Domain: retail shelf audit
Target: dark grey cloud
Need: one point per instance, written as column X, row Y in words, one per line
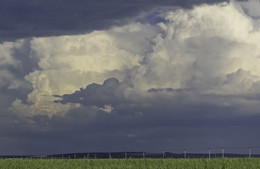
column 154, row 130
column 96, row 94
column 156, row 124
column 22, row 18
column 163, row 123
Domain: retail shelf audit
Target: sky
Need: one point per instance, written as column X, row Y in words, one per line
column 114, row 76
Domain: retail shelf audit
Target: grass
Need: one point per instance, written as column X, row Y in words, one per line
column 227, row 163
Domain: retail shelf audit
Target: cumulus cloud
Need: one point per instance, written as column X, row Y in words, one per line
column 206, row 53
column 207, row 50
column 67, row 63
column 167, row 81
column 95, row 94
column 199, row 50
column 8, row 62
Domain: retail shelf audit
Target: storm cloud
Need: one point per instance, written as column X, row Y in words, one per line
column 22, row 18
column 159, row 76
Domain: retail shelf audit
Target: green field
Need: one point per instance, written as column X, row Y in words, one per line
column 235, row 163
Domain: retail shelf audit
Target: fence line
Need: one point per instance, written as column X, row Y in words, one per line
column 187, row 153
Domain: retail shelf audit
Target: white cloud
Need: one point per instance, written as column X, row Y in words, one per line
column 106, row 108
column 8, row 62
column 199, row 47
column 44, row 105
column 67, row 63
column 94, row 52
column 6, row 54
column 211, row 49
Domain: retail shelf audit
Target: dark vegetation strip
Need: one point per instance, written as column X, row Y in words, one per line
column 225, row 163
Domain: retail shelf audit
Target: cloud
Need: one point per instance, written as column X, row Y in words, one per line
column 67, row 63
column 199, row 53
column 106, row 108
column 12, row 71
column 95, row 94
column 250, row 7
column 207, row 50
column 8, row 61
column 197, row 49
column 22, row 19
column 190, row 78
